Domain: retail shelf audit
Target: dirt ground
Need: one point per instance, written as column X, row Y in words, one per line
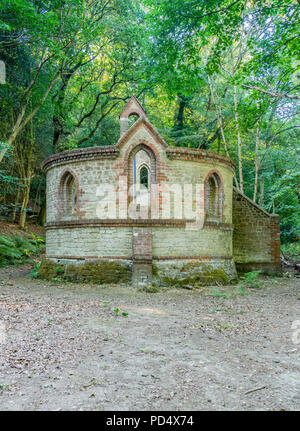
column 67, row 349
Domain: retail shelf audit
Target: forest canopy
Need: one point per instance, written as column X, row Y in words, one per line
column 217, row 75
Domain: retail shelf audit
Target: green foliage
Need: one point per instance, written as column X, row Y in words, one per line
column 35, row 271
column 164, row 52
column 292, row 249
column 242, row 291
column 216, row 293
column 251, row 279
column 17, row 249
column 4, row 387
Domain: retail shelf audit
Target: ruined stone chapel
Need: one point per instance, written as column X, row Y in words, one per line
column 154, row 212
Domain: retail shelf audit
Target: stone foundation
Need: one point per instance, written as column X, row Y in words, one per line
column 90, row 271
column 173, row 273
column 189, row 272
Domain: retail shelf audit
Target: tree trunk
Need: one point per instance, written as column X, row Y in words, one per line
column 179, row 117
column 219, row 117
column 239, row 140
column 25, row 203
column 261, row 191
column 42, row 214
column 14, row 214
column 256, row 163
column 27, row 180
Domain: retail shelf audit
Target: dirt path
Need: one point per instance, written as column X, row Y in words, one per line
column 66, row 349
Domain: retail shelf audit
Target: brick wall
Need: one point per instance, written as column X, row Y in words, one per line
column 142, row 256
column 256, row 236
column 90, row 239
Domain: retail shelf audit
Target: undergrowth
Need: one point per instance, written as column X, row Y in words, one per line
column 17, row 249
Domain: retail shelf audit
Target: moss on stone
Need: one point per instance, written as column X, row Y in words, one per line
column 49, row 270
column 96, row 272
column 190, row 266
column 195, row 274
column 154, row 270
column 218, row 274
column 100, row 272
column 204, row 278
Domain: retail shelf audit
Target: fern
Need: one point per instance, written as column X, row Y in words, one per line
column 17, row 249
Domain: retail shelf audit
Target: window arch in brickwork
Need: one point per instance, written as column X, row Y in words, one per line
column 213, row 197
column 68, row 195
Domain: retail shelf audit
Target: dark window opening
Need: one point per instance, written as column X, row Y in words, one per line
column 214, row 197
column 144, row 177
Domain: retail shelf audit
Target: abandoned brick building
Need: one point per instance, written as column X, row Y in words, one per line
column 130, row 208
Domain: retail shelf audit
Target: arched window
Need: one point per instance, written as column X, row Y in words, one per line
column 214, row 198
column 73, row 196
column 141, row 181
column 132, row 118
column 144, row 177
column 68, row 195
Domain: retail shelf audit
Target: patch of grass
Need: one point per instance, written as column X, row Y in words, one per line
column 117, row 311
column 251, row 279
column 146, row 351
column 223, row 326
column 242, row 291
column 35, row 271
column 216, row 293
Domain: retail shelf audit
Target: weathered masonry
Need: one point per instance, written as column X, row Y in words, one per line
column 160, row 213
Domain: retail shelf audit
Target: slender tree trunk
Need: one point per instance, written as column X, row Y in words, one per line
column 37, row 197
column 179, row 116
column 219, row 141
column 261, row 191
column 25, row 202
column 256, row 162
column 239, row 140
column 27, row 180
column 219, row 117
column 14, row 214
column 42, row 214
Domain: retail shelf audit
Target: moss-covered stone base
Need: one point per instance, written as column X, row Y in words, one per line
column 174, row 273
column 265, row 268
column 190, row 273
column 96, row 272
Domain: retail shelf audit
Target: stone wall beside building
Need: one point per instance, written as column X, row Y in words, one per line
column 256, row 237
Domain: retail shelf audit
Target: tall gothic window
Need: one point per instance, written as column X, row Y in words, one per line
column 214, row 198
column 68, row 195
column 141, row 181
column 144, row 177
